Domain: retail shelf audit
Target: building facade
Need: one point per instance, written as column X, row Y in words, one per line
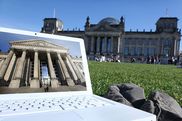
column 32, row 63
column 109, row 38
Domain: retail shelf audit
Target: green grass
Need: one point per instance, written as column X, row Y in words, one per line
column 151, row 77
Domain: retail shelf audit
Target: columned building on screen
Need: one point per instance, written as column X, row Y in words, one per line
column 31, row 62
column 109, row 38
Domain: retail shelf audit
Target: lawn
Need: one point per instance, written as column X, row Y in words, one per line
column 151, row 77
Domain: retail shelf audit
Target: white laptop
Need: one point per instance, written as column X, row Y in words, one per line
column 45, row 77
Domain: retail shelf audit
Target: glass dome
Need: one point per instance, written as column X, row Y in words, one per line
column 109, row 20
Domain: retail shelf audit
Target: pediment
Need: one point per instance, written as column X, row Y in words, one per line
column 37, row 43
column 103, row 28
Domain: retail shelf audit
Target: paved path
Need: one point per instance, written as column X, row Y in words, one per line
column 6, row 90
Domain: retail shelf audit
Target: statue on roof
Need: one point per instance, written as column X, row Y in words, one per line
column 122, row 19
column 87, row 24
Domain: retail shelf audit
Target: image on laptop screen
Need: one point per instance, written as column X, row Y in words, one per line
column 31, row 64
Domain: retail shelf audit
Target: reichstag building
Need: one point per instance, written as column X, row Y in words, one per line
column 28, row 62
column 110, row 39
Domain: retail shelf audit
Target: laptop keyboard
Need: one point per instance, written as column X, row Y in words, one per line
column 10, row 107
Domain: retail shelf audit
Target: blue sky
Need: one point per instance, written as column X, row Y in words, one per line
column 138, row 14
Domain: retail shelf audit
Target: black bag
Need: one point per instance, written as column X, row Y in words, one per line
column 166, row 107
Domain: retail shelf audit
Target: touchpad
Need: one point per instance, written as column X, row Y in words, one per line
column 48, row 116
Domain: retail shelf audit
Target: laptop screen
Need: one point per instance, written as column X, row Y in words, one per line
column 30, row 64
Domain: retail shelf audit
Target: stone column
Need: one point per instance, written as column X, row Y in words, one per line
column 105, row 45
column 86, row 43
column 36, row 65
column 67, row 76
column 18, row 74
column 98, row 45
column 111, row 45
column 5, row 64
column 162, row 48
column 79, row 66
column 92, row 45
column 54, row 81
column 15, row 83
column 118, row 47
column 122, row 45
column 39, row 71
column 27, row 72
column 175, row 46
column 30, row 70
column 75, row 68
column 102, row 45
column 71, row 69
column 158, row 46
column 35, row 82
column 1, row 62
column 14, row 70
column 82, row 78
column 10, row 68
column 61, row 73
